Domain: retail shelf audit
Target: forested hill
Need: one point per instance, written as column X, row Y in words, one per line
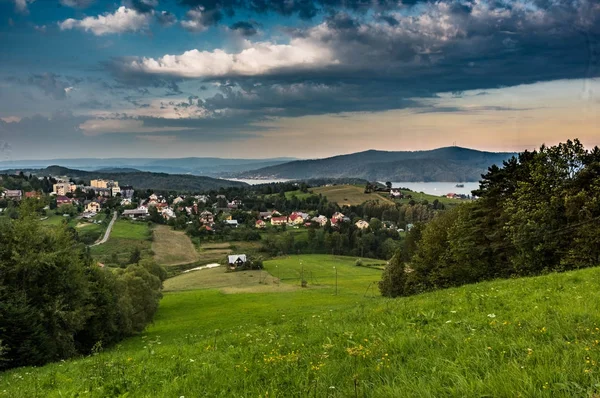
column 453, row 164
column 142, row 179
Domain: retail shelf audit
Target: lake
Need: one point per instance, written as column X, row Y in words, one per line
column 437, row 188
column 257, row 182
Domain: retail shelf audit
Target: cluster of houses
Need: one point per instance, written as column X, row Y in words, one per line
column 298, row 218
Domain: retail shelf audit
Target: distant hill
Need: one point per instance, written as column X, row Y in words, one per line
column 193, row 165
column 453, row 164
column 139, row 179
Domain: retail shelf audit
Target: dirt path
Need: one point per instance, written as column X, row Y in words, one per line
column 107, row 232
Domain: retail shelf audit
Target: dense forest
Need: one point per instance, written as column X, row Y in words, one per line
column 538, row 213
column 56, row 302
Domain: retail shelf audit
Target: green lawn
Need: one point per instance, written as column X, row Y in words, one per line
column 530, row 337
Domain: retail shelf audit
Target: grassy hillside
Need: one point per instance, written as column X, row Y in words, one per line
column 172, row 247
column 349, row 195
column 523, row 337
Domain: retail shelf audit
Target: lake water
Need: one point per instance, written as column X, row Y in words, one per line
column 257, row 182
column 437, row 188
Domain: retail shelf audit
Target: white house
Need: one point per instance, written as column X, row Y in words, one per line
column 362, row 224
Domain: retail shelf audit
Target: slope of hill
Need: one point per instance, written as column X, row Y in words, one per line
column 141, row 180
column 453, row 164
column 530, row 337
column 192, row 165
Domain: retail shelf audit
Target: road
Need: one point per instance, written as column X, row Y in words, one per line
column 107, row 232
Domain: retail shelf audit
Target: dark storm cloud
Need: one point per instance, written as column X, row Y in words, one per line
column 382, row 64
column 51, row 84
column 245, row 28
column 165, row 18
column 305, row 9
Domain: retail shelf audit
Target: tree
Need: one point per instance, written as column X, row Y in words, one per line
column 135, row 256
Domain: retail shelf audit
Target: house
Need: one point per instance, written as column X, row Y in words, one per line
column 234, row 204
column 153, row 197
column 177, row 200
column 295, row 218
column 106, row 192
column 168, row 213
column 125, row 202
column 226, row 216
column 63, row 200
column 396, row 194
column 337, row 216
column 201, row 198
column 321, row 220
column 260, row 224
column 13, row 194
column 231, row 223
column 33, row 194
column 93, row 207
column 451, row 195
column 279, row 220
column 140, row 212
column 115, row 190
column 362, row 224
column 236, row 260
column 265, row 215
column 206, row 217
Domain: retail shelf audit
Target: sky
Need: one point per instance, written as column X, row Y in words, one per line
column 294, row 78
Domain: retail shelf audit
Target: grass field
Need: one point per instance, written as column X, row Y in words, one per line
column 172, row 247
column 125, row 236
column 348, row 195
column 530, row 337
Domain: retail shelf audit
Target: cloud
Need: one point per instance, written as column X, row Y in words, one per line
column 257, row 59
column 21, row 6
column 51, row 85
column 77, row 3
column 123, row 20
column 99, row 126
column 165, row 18
column 160, row 139
column 305, row 9
column 142, row 6
column 199, row 19
column 245, row 28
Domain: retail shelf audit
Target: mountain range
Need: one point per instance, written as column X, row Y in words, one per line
column 192, row 165
column 450, row 164
column 139, row 179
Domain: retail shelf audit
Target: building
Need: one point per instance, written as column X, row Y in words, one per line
column 265, row 215
column 127, row 191
column 206, row 217
column 337, row 216
column 236, row 260
column 279, row 220
column 168, row 213
column 63, row 200
column 13, row 194
column 362, row 224
column 296, row 218
column 140, row 212
column 100, row 183
column 231, row 223
column 260, row 224
column 177, row 200
column 321, row 220
column 33, row 194
column 93, row 207
column 115, row 190
column 63, row 188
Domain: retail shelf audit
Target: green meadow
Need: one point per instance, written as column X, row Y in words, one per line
column 529, row 337
column 125, row 236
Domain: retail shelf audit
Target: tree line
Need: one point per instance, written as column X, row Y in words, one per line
column 539, row 212
column 56, row 302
